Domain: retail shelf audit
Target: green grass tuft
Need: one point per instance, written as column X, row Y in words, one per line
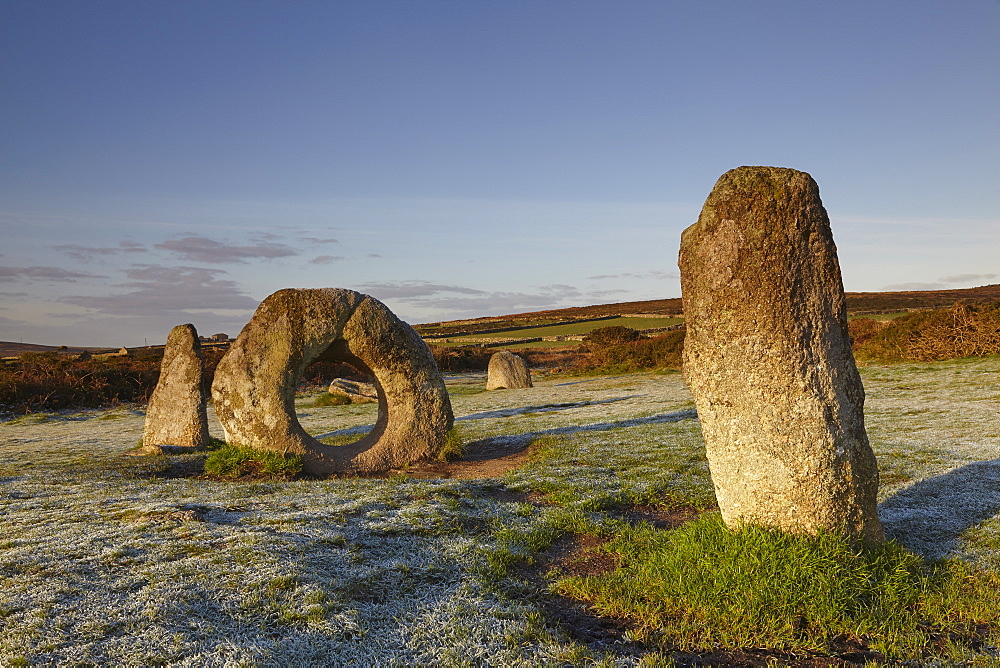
column 229, row 461
column 331, row 400
column 453, row 448
column 702, row 585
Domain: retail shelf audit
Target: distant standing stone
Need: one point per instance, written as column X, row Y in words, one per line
column 176, row 418
column 358, row 392
column 507, row 371
column 768, row 358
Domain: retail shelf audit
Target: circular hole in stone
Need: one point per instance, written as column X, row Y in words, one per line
column 343, row 425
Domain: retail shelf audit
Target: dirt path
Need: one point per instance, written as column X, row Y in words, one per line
column 485, row 459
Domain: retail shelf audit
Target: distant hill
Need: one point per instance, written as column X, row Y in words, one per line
column 922, row 299
column 857, row 303
column 12, row 349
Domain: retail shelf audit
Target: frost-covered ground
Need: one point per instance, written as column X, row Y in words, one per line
column 105, row 561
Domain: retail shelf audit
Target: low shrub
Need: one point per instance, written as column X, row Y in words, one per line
column 461, row 359
column 50, row 381
column 319, row 374
column 232, row 462
column 863, row 330
column 612, row 336
column 660, row 352
column 964, row 330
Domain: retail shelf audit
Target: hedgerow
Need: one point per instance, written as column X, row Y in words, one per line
column 660, row 352
column 964, row 330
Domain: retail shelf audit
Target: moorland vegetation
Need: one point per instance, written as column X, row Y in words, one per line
column 52, row 381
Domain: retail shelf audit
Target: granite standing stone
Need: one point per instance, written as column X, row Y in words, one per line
column 357, row 391
column 255, row 382
column 175, row 417
column 769, row 361
column 507, row 371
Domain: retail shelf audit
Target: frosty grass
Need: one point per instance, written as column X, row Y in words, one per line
column 104, row 562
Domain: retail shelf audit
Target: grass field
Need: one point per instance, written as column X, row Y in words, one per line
column 110, row 559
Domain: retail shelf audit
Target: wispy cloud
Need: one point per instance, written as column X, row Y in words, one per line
column 326, row 259
column 203, row 249
column 161, row 290
column 944, row 283
column 653, row 274
column 87, row 253
column 967, row 278
column 43, row 274
column 910, row 287
column 266, row 236
column 314, row 240
column 405, row 290
column 460, row 301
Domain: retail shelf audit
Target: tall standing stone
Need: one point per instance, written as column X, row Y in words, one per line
column 507, row 371
column 176, row 417
column 768, row 358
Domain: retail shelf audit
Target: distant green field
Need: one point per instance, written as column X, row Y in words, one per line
column 879, row 316
column 575, row 328
column 542, row 344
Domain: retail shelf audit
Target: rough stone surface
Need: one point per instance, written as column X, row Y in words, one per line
column 175, row 417
column 768, row 358
column 507, row 371
column 358, row 392
column 255, row 382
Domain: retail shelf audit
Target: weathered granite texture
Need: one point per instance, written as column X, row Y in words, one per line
column 768, row 358
column 358, row 392
column 254, row 387
column 175, row 417
column 507, row 371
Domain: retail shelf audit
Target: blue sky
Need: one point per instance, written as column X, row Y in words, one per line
column 169, row 162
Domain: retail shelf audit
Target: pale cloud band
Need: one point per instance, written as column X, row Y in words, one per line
column 326, row 259
column 159, row 290
column 943, row 283
column 651, row 274
column 87, row 253
column 459, row 301
column 203, row 249
column 43, row 273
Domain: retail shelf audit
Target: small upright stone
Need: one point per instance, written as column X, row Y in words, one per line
column 176, row 417
column 507, row 371
column 768, row 358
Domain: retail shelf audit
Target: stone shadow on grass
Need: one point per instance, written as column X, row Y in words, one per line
column 543, row 408
column 502, row 446
column 929, row 516
column 503, row 412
